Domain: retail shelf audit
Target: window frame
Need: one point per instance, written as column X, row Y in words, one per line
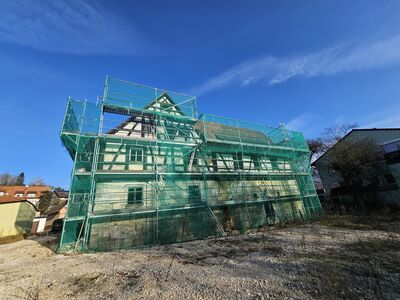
column 84, row 157
column 136, row 150
column 194, row 193
column 135, row 190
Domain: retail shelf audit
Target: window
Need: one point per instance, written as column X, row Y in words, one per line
column 84, row 157
column 31, row 194
column 390, row 179
column 19, row 194
column 136, row 154
column 391, row 147
column 135, row 195
column 194, row 193
column 2, row 193
column 256, row 162
column 274, row 164
column 238, row 161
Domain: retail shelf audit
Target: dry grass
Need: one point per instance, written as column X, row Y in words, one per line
column 11, row 239
column 383, row 222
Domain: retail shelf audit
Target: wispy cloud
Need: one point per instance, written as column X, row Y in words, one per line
column 72, row 27
column 299, row 122
column 345, row 57
column 384, row 118
column 393, row 121
column 313, row 124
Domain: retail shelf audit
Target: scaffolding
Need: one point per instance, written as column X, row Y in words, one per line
column 149, row 170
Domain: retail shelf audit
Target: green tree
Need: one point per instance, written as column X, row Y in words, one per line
column 332, row 135
column 45, row 201
column 19, row 180
column 357, row 162
column 37, row 182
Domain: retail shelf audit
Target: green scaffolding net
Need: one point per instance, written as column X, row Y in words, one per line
column 148, row 170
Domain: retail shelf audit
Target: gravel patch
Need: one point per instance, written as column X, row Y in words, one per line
column 312, row 261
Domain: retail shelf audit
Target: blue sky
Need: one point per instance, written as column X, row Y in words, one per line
column 308, row 64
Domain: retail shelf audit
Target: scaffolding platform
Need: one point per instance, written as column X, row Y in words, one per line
column 148, row 169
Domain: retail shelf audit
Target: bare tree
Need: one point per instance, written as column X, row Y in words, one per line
column 37, row 181
column 7, row 179
column 316, row 147
column 329, row 137
column 332, row 135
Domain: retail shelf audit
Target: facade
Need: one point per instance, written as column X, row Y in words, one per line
column 18, row 210
column 388, row 183
column 56, row 212
column 148, row 170
column 19, row 214
column 21, row 201
column 44, row 221
column 16, row 217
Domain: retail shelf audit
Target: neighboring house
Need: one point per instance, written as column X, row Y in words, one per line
column 29, row 193
column 44, row 220
column 61, row 194
column 392, row 157
column 148, row 170
column 54, row 213
column 387, row 183
column 16, row 217
column 24, row 200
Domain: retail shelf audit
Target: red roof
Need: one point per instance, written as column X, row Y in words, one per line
column 10, row 191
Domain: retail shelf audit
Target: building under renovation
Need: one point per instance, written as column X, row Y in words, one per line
column 148, row 169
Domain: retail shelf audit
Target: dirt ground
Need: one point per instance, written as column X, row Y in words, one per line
column 338, row 258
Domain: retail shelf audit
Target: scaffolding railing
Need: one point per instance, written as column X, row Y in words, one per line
column 147, row 171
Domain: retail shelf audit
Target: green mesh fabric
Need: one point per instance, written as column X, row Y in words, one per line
column 147, row 170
